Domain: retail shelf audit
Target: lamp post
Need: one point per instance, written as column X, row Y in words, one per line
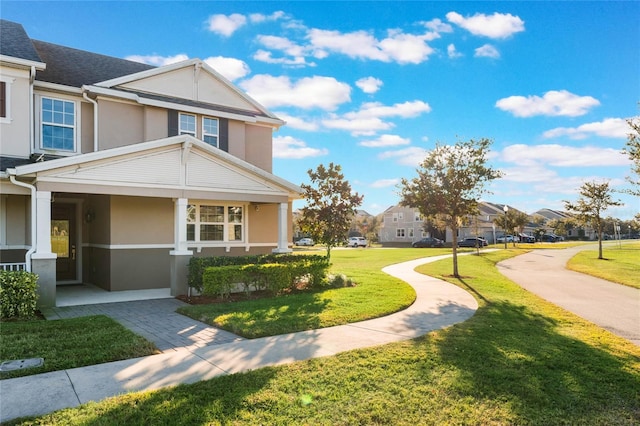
column 506, row 210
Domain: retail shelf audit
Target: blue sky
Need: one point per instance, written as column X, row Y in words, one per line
column 373, row 85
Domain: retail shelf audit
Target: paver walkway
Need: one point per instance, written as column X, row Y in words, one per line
column 154, row 319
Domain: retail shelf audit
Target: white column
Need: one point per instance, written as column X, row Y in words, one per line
column 180, row 227
column 43, row 225
column 283, row 216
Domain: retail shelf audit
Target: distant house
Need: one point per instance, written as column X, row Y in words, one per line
column 116, row 173
column 548, row 216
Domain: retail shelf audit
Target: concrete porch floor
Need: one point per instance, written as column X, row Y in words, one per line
column 87, row 294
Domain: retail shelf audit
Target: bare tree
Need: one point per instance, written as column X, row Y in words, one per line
column 450, row 181
column 594, row 199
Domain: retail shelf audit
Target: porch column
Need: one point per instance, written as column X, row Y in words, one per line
column 43, row 261
column 180, row 255
column 283, row 228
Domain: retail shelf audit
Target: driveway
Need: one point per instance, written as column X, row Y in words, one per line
column 612, row 306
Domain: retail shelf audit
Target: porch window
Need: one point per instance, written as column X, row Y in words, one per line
column 187, row 123
column 58, row 124
column 210, row 131
column 215, row 223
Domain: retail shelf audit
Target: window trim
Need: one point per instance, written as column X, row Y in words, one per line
column 7, row 83
column 401, row 231
column 226, row 224
column 77, row 134
column 181, row 131
column 205, row 133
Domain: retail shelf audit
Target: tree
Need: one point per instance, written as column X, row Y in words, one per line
column 594, row 199
column 330, row 206
column 450, row 181
column 632, row 149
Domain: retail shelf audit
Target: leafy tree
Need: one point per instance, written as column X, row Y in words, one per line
column 512, row 222
column 450, row 181
column 632, row 149
column 330, row 206
column 594, row 199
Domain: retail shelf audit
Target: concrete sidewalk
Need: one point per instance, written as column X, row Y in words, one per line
column 438, row 305
column 612, row 306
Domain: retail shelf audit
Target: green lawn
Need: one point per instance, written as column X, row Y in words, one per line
column 518, row 360
column 375, row 295
column 69, row 343
column 621, row 263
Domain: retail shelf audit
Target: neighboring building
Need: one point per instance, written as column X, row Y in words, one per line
column 572, row 232
column 115, row 173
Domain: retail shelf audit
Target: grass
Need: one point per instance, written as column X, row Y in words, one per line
column 69, row 343
column 518, row 360
column 621, row 263
column 375, row 295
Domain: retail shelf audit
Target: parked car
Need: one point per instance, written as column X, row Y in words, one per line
column 428, row 242
column 508, row 238
column 357, row 242
column 550, row 238
column 305, row 242
column 524, row 238
column 473, row 242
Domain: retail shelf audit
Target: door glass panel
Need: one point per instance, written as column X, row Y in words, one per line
column 60, row 238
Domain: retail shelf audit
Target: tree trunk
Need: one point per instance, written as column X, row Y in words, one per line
column 600, row 242
column 454, row 232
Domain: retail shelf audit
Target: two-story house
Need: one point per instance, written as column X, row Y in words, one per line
column 116, row 173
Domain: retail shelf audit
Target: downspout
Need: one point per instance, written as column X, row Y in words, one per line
column 27, row 256
column 95, row 119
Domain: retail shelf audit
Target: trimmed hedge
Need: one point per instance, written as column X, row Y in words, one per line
column 314, row 265
column 18, row 295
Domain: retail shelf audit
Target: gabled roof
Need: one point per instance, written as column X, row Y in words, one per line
column 15, row 42
column 74, row 67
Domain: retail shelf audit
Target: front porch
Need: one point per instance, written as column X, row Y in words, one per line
column 88, row 294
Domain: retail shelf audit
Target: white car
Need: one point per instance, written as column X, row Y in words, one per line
column 305, row 242
column 357, row 242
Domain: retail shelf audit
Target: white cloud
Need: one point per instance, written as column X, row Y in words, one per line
column 298, row 123
column 281, row 43
column 259, row 17
column 226, row 25
column 608, row 128
column 552, row 103
column 364, row 126
column 407, row 109
column 452, row 52
column 384, row 141
column 562, row 156
column 385, row 183
column 487, row 51
column 369, row 84
column 498, row 25
column 158, row 60
column 411, row 156
column 292, row 148
column 438, row 26
column 267, row 57
column 230, row 68
column 397, row 46
column 325, row 93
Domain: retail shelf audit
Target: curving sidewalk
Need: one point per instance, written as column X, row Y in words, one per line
column 438, row 304
column 612, row 306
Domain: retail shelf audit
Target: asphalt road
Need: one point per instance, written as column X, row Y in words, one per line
column 611, row 306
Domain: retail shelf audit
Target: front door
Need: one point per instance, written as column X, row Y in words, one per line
column 63, row 240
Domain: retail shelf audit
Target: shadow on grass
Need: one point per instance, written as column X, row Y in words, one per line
column 511, row 354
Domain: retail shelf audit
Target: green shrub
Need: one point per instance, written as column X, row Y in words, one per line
column 18, row 296
column 220, row 280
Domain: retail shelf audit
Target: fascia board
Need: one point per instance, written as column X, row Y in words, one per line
column 40, row 66
column 43, row 85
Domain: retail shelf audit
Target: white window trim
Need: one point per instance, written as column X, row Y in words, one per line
column 410, row 233
column 204, row 133
column 38, row 149
column 195, row 127
column 225, row 231
column 8, row 84
column 403, row 232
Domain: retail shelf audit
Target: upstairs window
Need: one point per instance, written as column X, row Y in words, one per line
column 210, row 131
column 3, row 99
column 187, row 124
column 58, row 124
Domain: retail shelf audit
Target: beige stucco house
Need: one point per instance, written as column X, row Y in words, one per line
column 116, row 173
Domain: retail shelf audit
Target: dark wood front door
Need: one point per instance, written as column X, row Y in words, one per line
column 63, row 240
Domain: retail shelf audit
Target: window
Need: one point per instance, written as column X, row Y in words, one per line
column 187, row 123
column 58, row 124
column 400, row 233
column 3, row 99
column 210, row 131
column 395, row 217
column 418, row 217
column 215, row 223
column 410, row 232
